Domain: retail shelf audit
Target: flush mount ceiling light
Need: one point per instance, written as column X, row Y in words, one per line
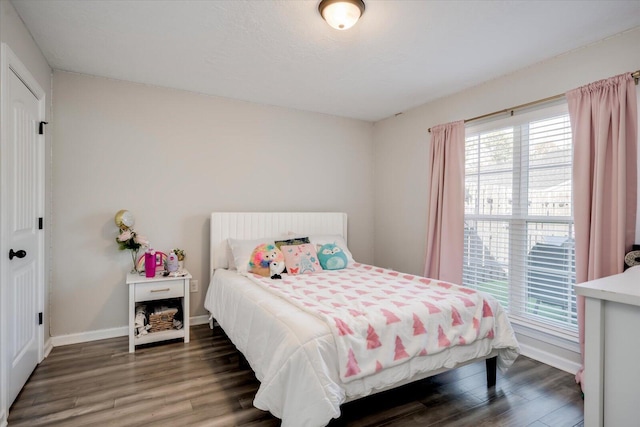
column 341, row 14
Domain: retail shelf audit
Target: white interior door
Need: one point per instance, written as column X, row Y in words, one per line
column 22, row 192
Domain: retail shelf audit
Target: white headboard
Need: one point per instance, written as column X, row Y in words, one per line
column 255, row 225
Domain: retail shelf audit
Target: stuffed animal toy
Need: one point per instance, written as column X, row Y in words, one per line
column 262, row 258
column 276, row 268
column 140, row 323
column 331, row 257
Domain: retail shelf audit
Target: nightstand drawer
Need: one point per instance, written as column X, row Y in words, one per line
column 159, row 290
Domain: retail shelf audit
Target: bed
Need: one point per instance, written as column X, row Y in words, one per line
column 298, row 354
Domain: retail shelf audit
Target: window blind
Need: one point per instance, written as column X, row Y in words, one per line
column 519, row 234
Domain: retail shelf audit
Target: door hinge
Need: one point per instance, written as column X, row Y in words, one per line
column 40, row 223
column 41, row 128
column 40, row 318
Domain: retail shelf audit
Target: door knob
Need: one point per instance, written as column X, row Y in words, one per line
column 20, row 254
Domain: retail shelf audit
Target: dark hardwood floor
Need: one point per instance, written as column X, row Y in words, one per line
column 203, row 384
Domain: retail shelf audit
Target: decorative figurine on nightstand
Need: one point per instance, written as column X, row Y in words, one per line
column 181, row 255
column 172, row 262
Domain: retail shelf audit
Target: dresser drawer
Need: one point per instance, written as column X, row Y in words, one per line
column 159, row 290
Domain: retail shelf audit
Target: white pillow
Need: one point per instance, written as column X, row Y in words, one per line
column 323, row 239
column 231, row 264
column 242, row 249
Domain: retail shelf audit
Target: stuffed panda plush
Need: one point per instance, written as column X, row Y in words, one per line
column 276, row 268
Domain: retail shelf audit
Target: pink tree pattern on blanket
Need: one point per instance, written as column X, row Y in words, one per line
column 381, row 318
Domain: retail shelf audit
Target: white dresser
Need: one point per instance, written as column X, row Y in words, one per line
column 612, row 349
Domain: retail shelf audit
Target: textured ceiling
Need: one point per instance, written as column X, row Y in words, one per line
column 400, row 55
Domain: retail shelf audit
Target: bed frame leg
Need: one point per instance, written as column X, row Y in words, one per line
column 491, row 363
column 242, row 362
column 215, row 330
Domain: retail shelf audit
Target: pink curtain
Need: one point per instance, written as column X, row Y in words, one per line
column 604, row 125
column 445, row 216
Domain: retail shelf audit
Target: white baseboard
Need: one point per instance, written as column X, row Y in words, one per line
column 3, row 419
column 48, row 346
column 102, row 334
column 549, row 359
column 81, row 337
column 199, row 320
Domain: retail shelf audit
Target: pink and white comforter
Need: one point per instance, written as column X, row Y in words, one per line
column 294, row 353
column 381, row 318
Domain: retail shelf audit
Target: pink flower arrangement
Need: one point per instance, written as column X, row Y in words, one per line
column 129, row 239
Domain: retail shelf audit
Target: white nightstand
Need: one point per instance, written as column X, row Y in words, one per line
column 156, row 288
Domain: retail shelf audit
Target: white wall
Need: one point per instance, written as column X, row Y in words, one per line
column 401, row 144
column 17, row 37
column 171, row 158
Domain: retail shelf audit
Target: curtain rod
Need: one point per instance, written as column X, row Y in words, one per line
column 635, row 75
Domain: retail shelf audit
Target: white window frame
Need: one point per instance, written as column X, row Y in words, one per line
column 518, row 220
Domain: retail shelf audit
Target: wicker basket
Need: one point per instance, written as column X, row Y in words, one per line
column 163, row 320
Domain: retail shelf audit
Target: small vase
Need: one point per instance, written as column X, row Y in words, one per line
column 134, row 258
column 181, row 265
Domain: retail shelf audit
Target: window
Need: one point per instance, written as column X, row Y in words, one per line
column 519, row 235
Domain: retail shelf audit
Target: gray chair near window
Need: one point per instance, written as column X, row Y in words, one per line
column 551, row 274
